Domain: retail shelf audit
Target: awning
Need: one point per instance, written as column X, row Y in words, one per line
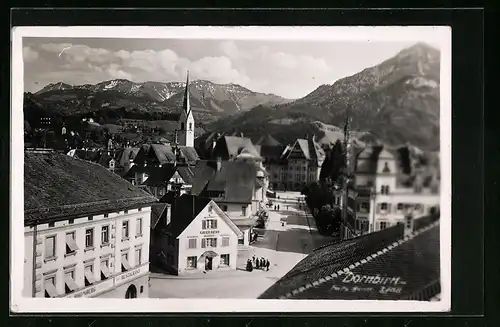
column 104, row 270
column 89, row 277
column 71, row 243
column 51, row 289
column 209, row 254
column 125, row 264
column 70, row 283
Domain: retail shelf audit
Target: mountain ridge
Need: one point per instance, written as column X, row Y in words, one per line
column 397, row 101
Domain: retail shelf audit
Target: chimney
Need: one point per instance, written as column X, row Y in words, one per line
column 408, row 230
column 219, row 163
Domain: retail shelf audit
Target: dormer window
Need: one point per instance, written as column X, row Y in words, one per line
column 386, row 168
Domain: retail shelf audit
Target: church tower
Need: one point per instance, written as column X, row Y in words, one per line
column 186, row 120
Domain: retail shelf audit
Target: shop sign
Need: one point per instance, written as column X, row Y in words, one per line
column 204, row 232
column 93, row 290
column 131, row 274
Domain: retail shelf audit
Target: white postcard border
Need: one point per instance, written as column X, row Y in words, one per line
column 19, row 304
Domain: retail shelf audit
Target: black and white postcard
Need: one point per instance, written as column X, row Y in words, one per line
column 231, row 169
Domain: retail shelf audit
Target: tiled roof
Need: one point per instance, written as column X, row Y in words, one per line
column 203, row 173
column 157, row 176
column 157, row 210
column 189, row 154
column 126, row 155
column 411, row 261
column 271, row 152
column 184, row 211
column 56, row 185
column 236, row 179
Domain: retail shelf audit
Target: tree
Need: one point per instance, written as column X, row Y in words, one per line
column 334, row 163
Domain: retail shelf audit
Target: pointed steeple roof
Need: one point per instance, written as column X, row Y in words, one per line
column 186, row 105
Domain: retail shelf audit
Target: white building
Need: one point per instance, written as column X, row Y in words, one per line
column 382, row 201
column 198, row 237
column 86, row 231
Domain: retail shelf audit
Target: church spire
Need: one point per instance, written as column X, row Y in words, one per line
column 186, row 106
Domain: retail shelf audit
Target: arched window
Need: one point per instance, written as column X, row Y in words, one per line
column 182, row 126
column 190, row 126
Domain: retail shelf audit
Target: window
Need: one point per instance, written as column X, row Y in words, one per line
column 138, row 257
column 52, row 224
column 192, row 243
column 50, row 287
column 105, row 269
column 224, row 260
column 190, row 126
column 69, row 281
column 210, row 209
column 71, row 221
column 364, row 206
column 125, row 263
column 125, row 229
column 243, row 211
column 225, row 241
column 383, row 206
column 400, row 206
column 209, row 242
column 71, row 246
column 89, row 274
column 89, row 238
column 50, row 247
column 191, row 262
column 138, row 227
column 105, row 235
column 91, row 218
column 419, row 208
column 384, row 189
column 408, row 220
column 106, row 215
column 386, row 168
column 209, row 224
column 383, row 225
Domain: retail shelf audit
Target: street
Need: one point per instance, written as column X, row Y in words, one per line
column 284, row 246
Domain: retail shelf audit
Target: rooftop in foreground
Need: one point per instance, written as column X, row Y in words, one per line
column 379, row 266
column 57, row 186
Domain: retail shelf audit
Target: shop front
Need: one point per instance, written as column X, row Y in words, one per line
column 128, row 285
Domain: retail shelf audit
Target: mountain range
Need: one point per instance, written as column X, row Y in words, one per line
column 208, row 100
column 395, row 102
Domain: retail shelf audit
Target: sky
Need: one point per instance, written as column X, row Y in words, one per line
column 291, row 69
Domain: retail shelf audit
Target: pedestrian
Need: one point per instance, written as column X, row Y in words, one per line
column 257, row 266
column 253, row 259
column 267, row 264
column 262, row 263
column 278, row 207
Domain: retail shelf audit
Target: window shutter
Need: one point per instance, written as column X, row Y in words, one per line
column 49, row 246
column 215, row 223
column 215, row 242
column 378, row 207
column 204, row 224
column 203, row 243
column 388, row 208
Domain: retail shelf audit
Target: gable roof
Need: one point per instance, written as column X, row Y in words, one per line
column 184, row 211
column 126, row 155
column 57, row 185
column 187, row 207
column 203, row 173
column 157, row 211
column 237, row 179
column 388, row 253
column 235, row 144
column 268, row 140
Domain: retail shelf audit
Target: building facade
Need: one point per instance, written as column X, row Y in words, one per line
column 382, row 201
column 81, row 244
column 199, row 238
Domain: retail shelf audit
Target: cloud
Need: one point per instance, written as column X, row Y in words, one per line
column 258, row 69
column 29, row 55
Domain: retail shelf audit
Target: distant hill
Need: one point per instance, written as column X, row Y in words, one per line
column 209, row 101
column 395, row 102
